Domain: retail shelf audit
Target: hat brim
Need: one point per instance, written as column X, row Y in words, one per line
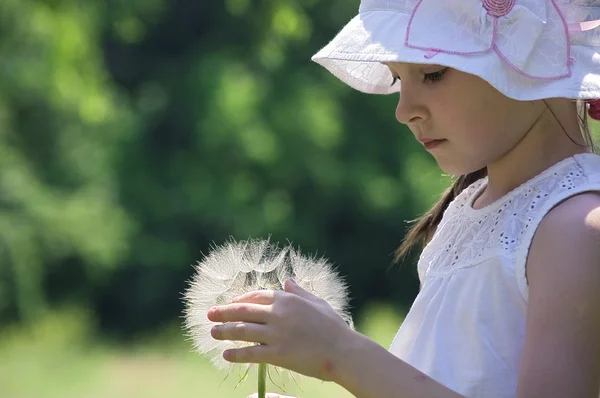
column 357, row 53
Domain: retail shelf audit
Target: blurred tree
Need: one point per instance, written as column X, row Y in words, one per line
column 135, row 133
column 62, row 125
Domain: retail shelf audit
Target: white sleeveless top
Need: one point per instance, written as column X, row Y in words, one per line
column 467, row 325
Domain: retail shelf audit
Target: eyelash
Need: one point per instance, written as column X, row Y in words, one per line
column 435, row 76
column 428, row 78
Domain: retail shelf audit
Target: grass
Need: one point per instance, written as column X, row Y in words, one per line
column 58, row 357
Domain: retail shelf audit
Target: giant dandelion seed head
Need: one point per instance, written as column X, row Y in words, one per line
column 236, row 268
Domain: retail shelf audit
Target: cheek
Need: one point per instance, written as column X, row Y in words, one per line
column 498, row 137
column 480, row 128
column 470, row 149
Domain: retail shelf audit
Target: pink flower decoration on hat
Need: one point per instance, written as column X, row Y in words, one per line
column 530, row 37
column 498, row 8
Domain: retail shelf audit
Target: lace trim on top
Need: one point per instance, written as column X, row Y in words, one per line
column 467, row 237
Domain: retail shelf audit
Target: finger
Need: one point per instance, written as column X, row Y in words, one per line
column 244, row 312
column 257, row 297
column 241, row 331
column 253, row 354
column 291, row 286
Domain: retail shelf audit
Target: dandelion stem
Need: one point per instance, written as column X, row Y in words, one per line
column 262, row 380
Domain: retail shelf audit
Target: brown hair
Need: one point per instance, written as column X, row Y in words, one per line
column 425, row 226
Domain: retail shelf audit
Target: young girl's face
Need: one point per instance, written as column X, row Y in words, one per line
column 475, row 124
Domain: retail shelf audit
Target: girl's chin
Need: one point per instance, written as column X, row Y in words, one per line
column 453, row 168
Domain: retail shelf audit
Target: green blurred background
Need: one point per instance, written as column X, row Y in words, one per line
column 134, row 134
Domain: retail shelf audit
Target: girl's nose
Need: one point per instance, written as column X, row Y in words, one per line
column 410, row 111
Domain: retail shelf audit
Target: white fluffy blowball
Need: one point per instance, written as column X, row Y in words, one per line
column 236, row 268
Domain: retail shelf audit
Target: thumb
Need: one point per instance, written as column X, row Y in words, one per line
column 291, row 286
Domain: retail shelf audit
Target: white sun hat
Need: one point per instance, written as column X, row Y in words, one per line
column 526, row 49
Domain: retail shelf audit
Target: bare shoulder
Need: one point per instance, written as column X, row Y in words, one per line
column 573, row 227
column 574, row 222
column 566, row 245
column 584, row 208
column 561, row 354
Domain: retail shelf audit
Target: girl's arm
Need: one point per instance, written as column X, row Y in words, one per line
column 561, row 356
column 367, row 370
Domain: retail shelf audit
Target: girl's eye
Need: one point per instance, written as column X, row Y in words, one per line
column 435, row 76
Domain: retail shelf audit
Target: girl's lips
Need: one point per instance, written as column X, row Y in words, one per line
column 430, row 144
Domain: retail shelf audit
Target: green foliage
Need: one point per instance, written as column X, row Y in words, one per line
column 63, row 123
column 135, row 133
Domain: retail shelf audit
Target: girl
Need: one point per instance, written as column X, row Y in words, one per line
column 497, row 91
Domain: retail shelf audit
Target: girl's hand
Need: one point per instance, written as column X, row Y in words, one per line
column 296, row 330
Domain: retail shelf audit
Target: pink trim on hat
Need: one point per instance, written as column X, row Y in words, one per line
column 497, row 9
column 583, row 26
column 568, row 60
column 440, row 50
